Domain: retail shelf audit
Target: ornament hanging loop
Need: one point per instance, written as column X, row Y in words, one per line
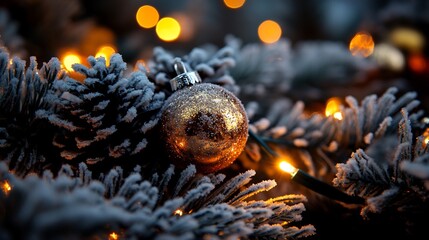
column 183, row 78
column 179, row 66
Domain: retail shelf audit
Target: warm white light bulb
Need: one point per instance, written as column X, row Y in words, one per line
column 287, row 167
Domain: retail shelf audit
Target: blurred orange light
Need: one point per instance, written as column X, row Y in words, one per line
column 6, row 187
column 362, row 45
column 287, row 167
column 69, row 59
column 333, row 108
column 94, row 38
column 426, row 136
column 113, row 236
column 187, row 25
column 269, row 31
column 168, row 29
column 147, row 16
column 234, row 3
column 178, row 212
column 105, row 51
column 417, row 63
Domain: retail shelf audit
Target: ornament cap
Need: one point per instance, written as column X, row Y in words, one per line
column 183, row 78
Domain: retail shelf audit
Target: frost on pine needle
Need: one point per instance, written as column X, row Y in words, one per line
column 373, row 118
column 108, row 116
column 262, row 69
column 23, row 91
column 135, row 208
column 309, row 137
column 390, row 183
column 320, row 67
column 287, row 124
column 212, row 64
column 289, row 130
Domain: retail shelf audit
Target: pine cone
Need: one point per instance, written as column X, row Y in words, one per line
column 105, row 117
column 23, row 137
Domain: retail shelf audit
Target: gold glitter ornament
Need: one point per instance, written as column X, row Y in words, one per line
column 202, row 124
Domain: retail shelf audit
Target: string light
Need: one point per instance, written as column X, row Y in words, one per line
column 69, row 59
column 147, row 16
column 113, row 236
column 269, row 31
column 426, row 137
column 362, row 45
column 333, row 107
column 178, row 212
column 288, row 168
column 6, row 187
column 234, row 4
column 105, row 51
column 303, row 178
column 168, row 29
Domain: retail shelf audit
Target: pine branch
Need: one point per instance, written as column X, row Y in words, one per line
column 391, row 184
column 134, row 208
column 311, row 137
column 262, row 69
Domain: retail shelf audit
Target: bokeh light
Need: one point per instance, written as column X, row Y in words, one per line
column 105, row 51
column 269, row 31
column 333, row 107
column 417, row 63
column 426, row 137
column 187, row 26
column 6, row 187
column 389, row 57
column 168, row 29
column 147, row 16
column 96, row 37
column 407, row 38
column 362, row 45
column 234, row 4
column 69, row 59
column 113, row 236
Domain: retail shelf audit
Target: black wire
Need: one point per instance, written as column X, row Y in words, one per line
column 309, row 181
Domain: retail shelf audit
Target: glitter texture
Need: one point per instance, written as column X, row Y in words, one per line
column 205, row 125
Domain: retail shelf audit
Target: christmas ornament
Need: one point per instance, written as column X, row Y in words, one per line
column 202, row 124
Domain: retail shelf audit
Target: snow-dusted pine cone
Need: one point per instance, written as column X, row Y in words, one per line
column 105, row 117
column 23, row 90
